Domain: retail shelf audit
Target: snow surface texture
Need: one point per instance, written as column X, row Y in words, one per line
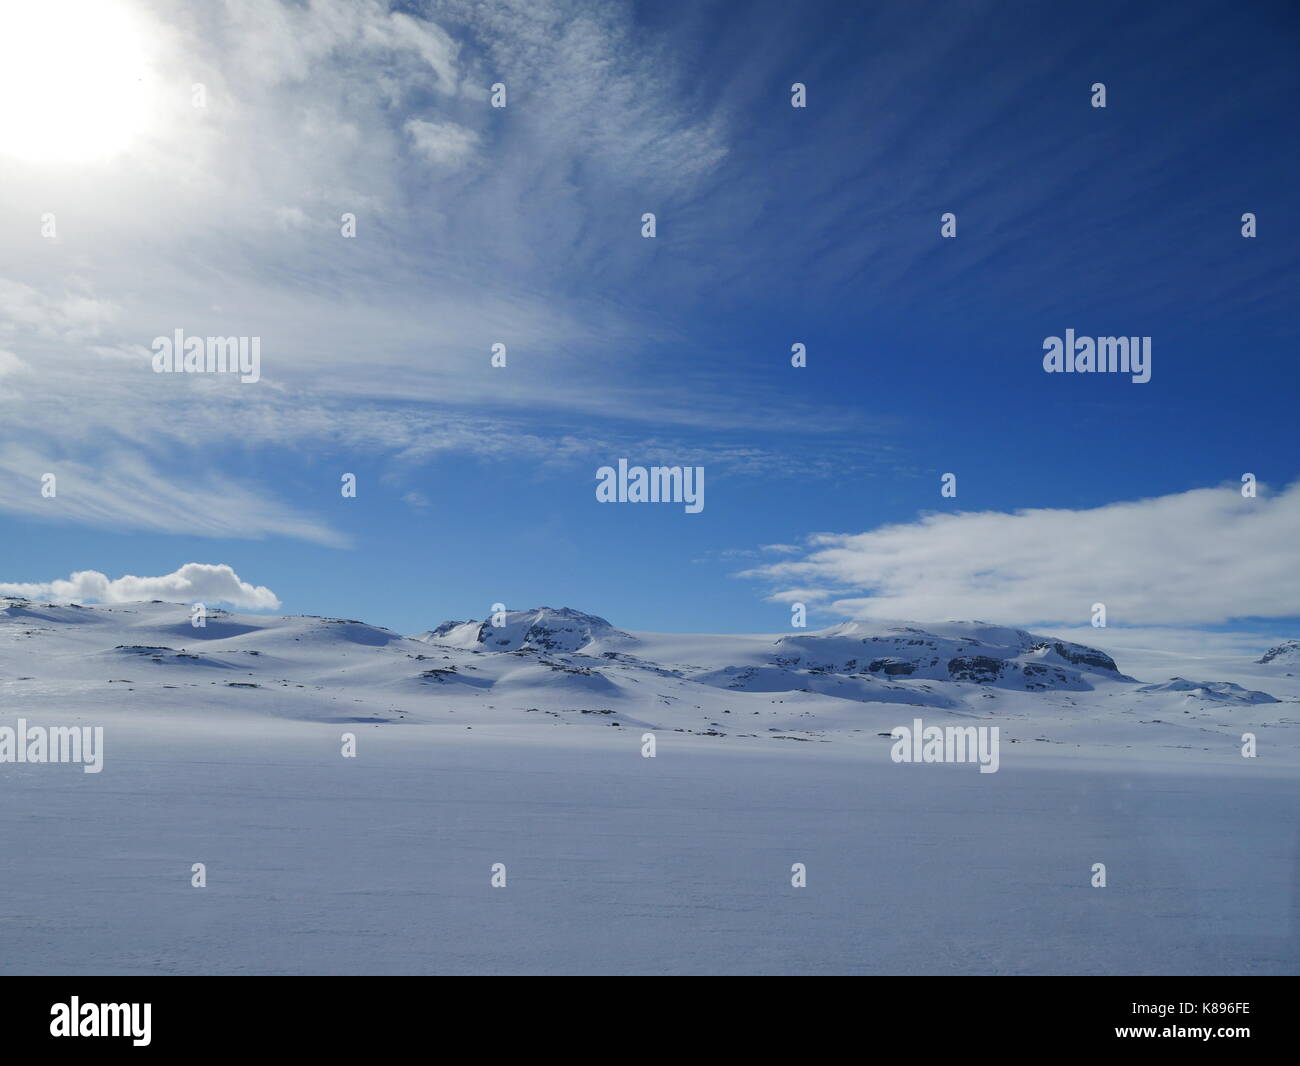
column 521, row 744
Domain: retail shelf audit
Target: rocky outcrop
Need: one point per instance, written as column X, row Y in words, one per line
column 1285, row 654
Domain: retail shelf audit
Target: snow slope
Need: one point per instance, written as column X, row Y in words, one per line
column 564, row 667
column 522, row 744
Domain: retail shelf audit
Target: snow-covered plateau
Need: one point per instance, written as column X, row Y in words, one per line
column 523, row 744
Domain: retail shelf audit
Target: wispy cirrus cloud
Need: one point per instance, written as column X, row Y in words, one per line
column 125, row 491
column 333, row 107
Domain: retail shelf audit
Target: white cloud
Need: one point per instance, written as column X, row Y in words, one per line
column 443, row 144
column 193, row 582
column 68, row 317
column 801, row 595
column 1202, row 557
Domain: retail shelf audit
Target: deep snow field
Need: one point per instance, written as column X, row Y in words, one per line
column 521, row 744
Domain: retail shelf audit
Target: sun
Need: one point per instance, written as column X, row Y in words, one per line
column 73, row 80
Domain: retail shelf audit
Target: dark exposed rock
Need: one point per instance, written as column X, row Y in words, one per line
column 1079, row 655
column 980, row 668
column 892, row 667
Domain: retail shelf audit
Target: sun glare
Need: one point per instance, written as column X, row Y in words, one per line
column 73, row 80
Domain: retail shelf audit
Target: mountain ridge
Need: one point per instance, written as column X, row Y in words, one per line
column 569, row 666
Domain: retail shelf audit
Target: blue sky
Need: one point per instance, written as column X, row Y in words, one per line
column 775, row 225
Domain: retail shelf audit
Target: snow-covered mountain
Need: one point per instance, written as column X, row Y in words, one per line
column 542, row 629
column 953, row 651
column 567, row 666
column 1286, row 654
column 1215, row 691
